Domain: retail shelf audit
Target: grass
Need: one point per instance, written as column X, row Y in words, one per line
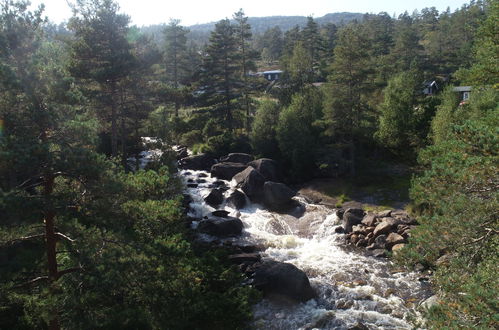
column 377, row 191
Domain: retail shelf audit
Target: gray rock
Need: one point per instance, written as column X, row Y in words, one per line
column 201, row 162
column 215, row 197
column 384, row 227
column 369, row 220
column 276, row 195
column 237, row 199
column 220, row 213
column 352, row 217
column 238, row 157
column 394, row 239
column 245, row 257
column 220, row 227
column 226, row 171
column 251, row 182
column 268, row 168
column 283, row 280
column 377, row 253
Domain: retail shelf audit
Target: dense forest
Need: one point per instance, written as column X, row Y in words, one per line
column 87, row 241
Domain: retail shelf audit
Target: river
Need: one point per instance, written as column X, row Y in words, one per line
column 353, row 288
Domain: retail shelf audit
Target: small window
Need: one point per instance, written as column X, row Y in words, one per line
column 466, row 96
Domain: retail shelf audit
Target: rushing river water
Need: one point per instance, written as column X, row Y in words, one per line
column 352, row 288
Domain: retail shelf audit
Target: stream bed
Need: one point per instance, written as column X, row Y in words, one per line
column 354, row 291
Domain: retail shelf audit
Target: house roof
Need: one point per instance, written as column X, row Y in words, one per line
column 273, row 71
column 462, row 89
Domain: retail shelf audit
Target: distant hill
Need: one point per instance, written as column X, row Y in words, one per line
column 261, row 24
column 200, row 32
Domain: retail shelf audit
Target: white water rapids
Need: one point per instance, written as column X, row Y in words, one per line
column 352, row 287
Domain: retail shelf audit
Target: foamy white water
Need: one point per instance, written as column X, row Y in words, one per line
column 351, row 286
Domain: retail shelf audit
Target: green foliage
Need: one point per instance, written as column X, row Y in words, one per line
column 296, row 134
column 484, row 70
column 263, row 136
column 458, row 197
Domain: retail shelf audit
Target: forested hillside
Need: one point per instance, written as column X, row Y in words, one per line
column 89, row 241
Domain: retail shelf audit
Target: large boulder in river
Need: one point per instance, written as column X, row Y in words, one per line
column 237, row 157
column 220, row 226
column 251, row 182
column 226, row 171
column 277, row 195
column 201, row 162
column 215, row 197
column 352, row 217
column 283, row 280
column 268, row 168
column 237, row 199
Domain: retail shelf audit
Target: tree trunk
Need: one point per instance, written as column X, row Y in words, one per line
column 114, row 124
column 50, row 245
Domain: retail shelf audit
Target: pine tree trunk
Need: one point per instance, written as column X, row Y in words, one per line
column 114, row 124
column 50, row 245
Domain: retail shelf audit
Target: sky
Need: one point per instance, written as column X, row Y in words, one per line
column 146, row 12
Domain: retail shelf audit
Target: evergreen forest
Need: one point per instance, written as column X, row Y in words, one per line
column 90, row 241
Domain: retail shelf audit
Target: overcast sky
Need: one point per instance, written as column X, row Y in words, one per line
column 145, row 12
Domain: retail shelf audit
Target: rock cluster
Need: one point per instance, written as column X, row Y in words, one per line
column 377, row 232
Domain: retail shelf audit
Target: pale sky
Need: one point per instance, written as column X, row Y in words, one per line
column 146, row 12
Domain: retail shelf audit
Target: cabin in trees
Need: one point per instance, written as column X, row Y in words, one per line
column 271, row 75
column 464, row 92
column 430, row 87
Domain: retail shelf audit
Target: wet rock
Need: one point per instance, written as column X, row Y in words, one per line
column 200, row 181
column 351, row 217
column 226, row 171
column 220, row 213
column 190, row 180
column 394, row 239
column 276, row 195
column 244, row 258
column 369, row 220
column 344, row 304
column 238, row 157
column 201, row 162
column 182, row 153
column 215, row 197
column 283, row 280
column 219, row 183
column 358, row 326
column 237, row 199
column 192, row 185
column 186, row 200
column 339, row 213
column 220, row 227
column 379, row 243
column 268, row 168
column 203, row 175
column 377, row 253
column 251, row 182
column 339, row 230
column 361, row 243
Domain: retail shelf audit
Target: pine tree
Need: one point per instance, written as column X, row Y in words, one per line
column 247, row 56
column 176, row 58
column 101, row 56
column 221, row 71
column 346, row 112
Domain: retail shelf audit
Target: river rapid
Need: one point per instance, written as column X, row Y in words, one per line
column 353, row 289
